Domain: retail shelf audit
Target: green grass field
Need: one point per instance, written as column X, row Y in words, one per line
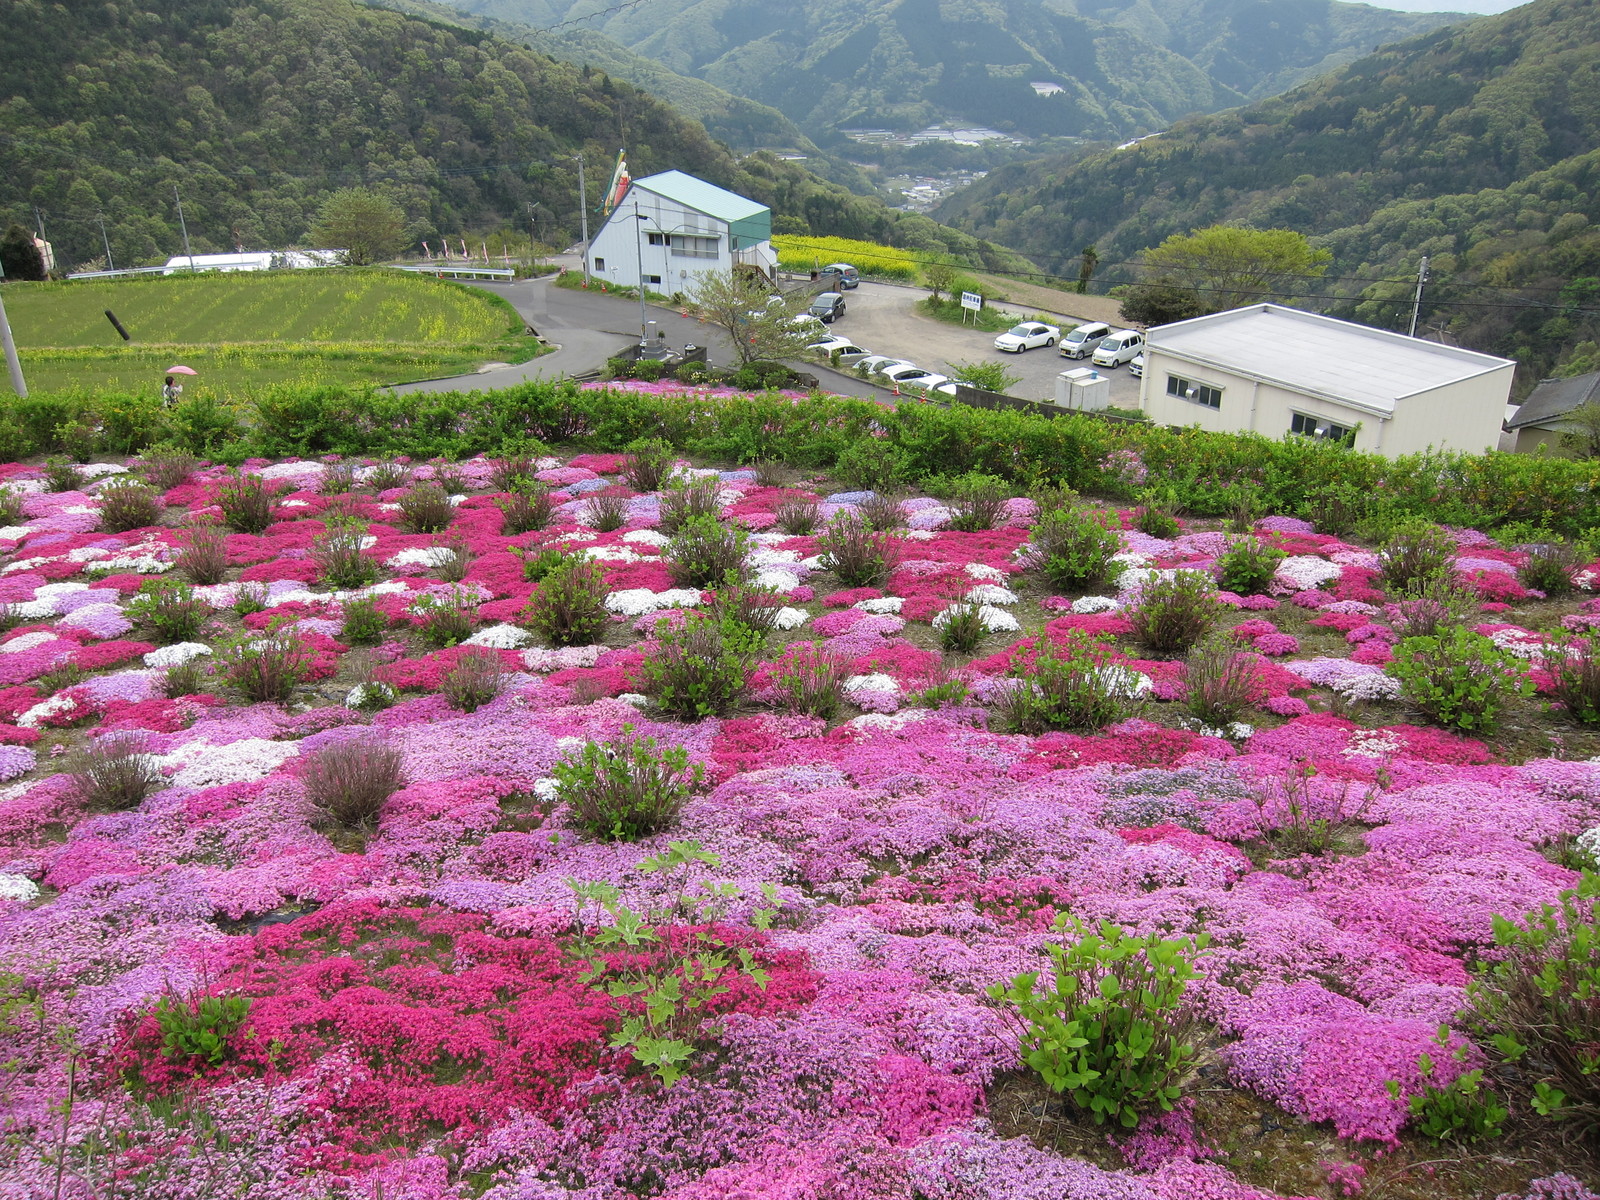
column 241, row 331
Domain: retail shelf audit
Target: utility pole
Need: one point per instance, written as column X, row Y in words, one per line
column 38, row 219
column 638, row 258
column 110, row 266
column 13, row 363
column 184, row 225
column 583, row 218
column 1416, row 304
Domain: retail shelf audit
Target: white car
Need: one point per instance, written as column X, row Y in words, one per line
column 1118, row 348
column 902, row 372
column 927, row 381
column 848, row 352
column 1027, row 336
column 1136, row 367
column 875, row 362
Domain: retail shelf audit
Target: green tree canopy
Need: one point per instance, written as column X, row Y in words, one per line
column 19, row 257
column 1227, row 266
column 741, row 303
column 367, row 225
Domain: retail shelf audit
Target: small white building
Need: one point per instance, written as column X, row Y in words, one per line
column 675, row 227
column 255, row 260
column 1273, row 370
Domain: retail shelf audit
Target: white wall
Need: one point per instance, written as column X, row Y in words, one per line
column 614, row 246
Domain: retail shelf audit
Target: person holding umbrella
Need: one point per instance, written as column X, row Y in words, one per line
column 172, row 390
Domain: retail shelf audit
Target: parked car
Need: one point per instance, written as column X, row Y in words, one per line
column 809, row 325
column 927, row 381
column 1026, row 336
column 1084, row 340
column 827, row 307
column 846, row 349
column 1118, row 348
column 902, row 373
column 1136, row 366
column 842, row 275
column 873, row 362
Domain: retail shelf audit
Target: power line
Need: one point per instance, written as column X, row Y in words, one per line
column 603, row 12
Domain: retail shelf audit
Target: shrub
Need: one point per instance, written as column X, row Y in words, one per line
column 1549, row 568
column 1297, row 819
column 1071, row 685
column 1220, row 681
column 61, row 476
column 386, row 475
column 1462, row 1111
column 1110, row 1026
column 363, row 622
column 1430, row 606
column 338, row 478
column 979, row 503
column 648, row 462
column 170, row 608
column 1073, row 547
column 445, row 621
column 569, row 609
column 204, row 557
column 474, row 679
column 1416, row 551
column 605, row 513
column 114, row 774
column 539, row 563
column 449, row 477
column 425, row 509
column 349, row 782
column 798, row 515
column 882, row 511
column 1574, row 666
column 769, row 472
column 701, row 669
column 858, row 554
column 752, row 608
column 680, row 505
column 706, row 552
column 187, row 678
column 525, row 510
column 626, row 789
column 266, row 668
column 455, row 562
column 513, row 472
column 1154, row 515
column 1533, row 1006
column 126, row 505
column 809, row 677
column 10, row 506
column 59, row 679
column 1247, row 567
column 10, row 618
column 960, row 627
column 341, row 561
column 249, row 598
column 167, row 468
column 942, row 688
column 1172, row 615
column 200, row 1028
column 246, row 502
column 1459, row 679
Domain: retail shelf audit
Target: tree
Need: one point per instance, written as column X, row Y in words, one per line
column 1581, row 434
column 1089, row 260
column 19, row 257
column 1158, row 304
column 367, row 225
column 1225, row 266
column 990, row 376
column 939, row 276
column 741, row 303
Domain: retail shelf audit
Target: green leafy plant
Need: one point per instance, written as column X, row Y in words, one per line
column 513, row 472
column 341, row 559
column 1072, row 547
column 126, row 504
column 114, row 773
column 246, row 502
column 445, row 621
column 363, row 622
column 1297, row 817
column 339, row 478
column 474, row 679
column 569, row 609
column 648, row 462
column 704, row 552
column 1110, row 1026
column 61, row 476
column 525, row 509
column 1154, row 516
column 798, row 515
column 626, row 789
column 200, row 1027
column 605, row 512
column 882, row 511
column 386, row 475
column 167, row 467
column 666, row 965
column 1458, row 679
column 204, row 557
column 10, row 507
column 1071, row 684
column 978, row 503
column 425, row 509
column 539, row 561
column 737, row 603
column 701, row 669
column 249, row 598
column 1574, row 666
column 1415, row 551
column 1246, row 568
column 454, row 561
column 1171, row 615
column 942, row 689
column 960, row 627
column 170, row 608
column 1463, row 1110
column 1549, row 568
column 855, row 552
column 187, row 678
column 679, row 505
column 265, row 667
column 1430, row 606
column 348, row 782
column 1220, row 680
column 809, row 678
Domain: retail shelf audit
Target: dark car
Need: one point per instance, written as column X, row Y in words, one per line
column 842, row 274
column 827, row 306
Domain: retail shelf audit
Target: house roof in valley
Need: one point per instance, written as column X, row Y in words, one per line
column 1555, row 398
column 701, row 196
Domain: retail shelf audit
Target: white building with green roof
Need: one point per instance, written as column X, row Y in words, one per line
column 674, row 227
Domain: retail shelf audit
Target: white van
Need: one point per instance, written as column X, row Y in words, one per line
column 1084, row 340
column 1118, row 348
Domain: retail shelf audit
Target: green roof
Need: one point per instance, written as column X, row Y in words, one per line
column 702, row 196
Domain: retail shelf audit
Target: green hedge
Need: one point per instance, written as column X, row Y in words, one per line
column 860, row 442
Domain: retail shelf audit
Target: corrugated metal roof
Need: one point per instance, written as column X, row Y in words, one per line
column 700, row 195
column 1555, row 398
column 1320, row 356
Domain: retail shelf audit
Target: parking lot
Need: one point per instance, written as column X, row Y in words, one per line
column 882, row 318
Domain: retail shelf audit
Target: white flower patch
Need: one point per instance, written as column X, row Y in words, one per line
column 500, row 637
column 646, row 537
column 548, row 788
column 1372, row 744
column 991, row 593
column 85, row 554
column 634, row 699
column 308, row 471
column 54, row 706
column 1088, row 605
column 34, row 610
column 87, row 510
column 617, row 554
column 200, row 765
column 986, row 573
column 814, row 563
column 876, row 682
column 50, row 591
column 571, row 743
column 389, row 587
column 777, row 579
column 575, row 536
column 173, row 655
column 562, row 659
column 27, row 641
column 420, row 556
column 883, row 606
column 1519, row 642
column 890, row 721
column 770, row 558
column 917, row 535
column 1583, row 579
column 1236, row 731
column 995, row 620
column 25, row 564
column 19, row 888
column 364, row 693
column 635, row 602
column 294, row 504
column 789, row 618
column 1302, row 572
column 1588, row 842
column 137, row 564
column 99, row 470
column 1124, row 681
column 14, row 533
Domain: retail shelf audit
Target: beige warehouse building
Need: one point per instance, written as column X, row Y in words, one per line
column 1274, row 370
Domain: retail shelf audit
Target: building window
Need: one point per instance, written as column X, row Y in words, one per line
column 1198, row 393
column 599, row 264
column 657, row 239
column 655, row 279
column 1321, row 427
column 690, row 246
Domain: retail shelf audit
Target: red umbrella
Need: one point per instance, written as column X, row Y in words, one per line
column 182, row 371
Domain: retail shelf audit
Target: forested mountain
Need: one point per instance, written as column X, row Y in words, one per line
column 1472, row 144
column 1121, row 67
column 256, row 109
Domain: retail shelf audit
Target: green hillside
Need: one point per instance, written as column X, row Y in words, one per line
column 1472, row 144
column 1121, row 68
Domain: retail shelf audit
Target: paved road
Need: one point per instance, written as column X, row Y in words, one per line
column 590, row 327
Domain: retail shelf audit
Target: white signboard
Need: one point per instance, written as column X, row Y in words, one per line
column 971, row 300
